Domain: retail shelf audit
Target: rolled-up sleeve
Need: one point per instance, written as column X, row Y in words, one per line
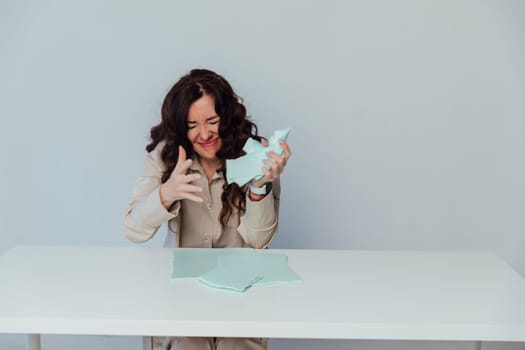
column 259, row 223
column 145, row 213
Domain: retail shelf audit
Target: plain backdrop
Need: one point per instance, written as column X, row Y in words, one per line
column 407, row 116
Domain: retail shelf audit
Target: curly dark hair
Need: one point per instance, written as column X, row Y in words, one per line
column 235, row 128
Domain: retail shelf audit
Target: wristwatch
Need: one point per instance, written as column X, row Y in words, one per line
column 262, row 191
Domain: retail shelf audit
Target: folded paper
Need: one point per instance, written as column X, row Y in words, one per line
column 248, row 167
column 194, row 262
column 270, row 266
column 232, row 269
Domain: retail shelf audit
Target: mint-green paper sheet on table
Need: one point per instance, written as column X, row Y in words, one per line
column 194, row 262
column 232, row 269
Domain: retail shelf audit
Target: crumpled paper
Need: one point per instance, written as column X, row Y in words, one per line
column 243, row 169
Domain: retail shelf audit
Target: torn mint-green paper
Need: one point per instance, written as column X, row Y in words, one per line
column 248, row 167
column 232, row 269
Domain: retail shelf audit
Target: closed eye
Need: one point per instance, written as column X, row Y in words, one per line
column 213, row 121
column 210, row 121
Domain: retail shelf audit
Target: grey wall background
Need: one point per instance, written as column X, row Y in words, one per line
column 407, row 116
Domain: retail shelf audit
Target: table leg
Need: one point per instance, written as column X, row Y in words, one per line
column 33, row 342
column 146, row 343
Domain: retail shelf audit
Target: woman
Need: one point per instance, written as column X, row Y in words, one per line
column 184, row 183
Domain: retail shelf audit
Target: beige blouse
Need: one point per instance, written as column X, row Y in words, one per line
column 195, row 224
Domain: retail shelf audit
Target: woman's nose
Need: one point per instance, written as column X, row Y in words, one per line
column 204, row 133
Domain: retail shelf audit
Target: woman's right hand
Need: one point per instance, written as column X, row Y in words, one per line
column 178, row 185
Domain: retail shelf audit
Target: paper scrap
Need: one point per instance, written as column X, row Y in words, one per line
column 248, row 167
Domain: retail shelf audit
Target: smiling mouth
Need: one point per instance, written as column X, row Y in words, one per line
column 209, row 144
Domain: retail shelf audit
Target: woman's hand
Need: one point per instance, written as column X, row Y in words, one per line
column 274, row 166
column 178, row 185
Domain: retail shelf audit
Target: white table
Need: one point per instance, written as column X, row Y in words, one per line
column 344, row 295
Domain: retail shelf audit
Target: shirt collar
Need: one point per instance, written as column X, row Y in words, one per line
column 196, row 166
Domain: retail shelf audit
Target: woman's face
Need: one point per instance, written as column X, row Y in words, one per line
column 203, row 128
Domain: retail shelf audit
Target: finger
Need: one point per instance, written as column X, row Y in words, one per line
column 265, row 142
column 181, row 160
column 190, row 178
column 272, row 172
column 189, row 188
column 191, row 197
column 278, row 159
column 273, row 167
column 183, row 164
column 268, row 175
column 183, row 167
column 182, row 155
column 286, row 149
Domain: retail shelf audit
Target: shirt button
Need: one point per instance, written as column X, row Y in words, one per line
column 209, row 206
column 206, row 238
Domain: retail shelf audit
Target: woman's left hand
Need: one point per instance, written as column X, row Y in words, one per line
column 274, row 165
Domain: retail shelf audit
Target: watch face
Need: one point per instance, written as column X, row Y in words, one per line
column 268, row 187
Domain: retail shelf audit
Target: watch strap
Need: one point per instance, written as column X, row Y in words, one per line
column 262, row 191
